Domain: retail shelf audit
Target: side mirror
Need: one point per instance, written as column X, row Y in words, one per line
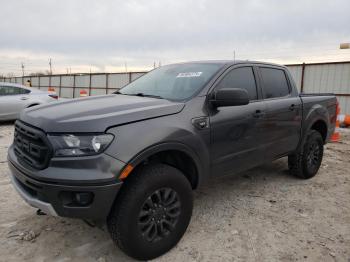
column 230, row 97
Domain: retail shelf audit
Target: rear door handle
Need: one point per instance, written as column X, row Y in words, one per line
column 24, row 98
column 292, row 107
column 258, row 113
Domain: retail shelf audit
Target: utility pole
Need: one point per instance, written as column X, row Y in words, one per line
column 154, row 64
column 126, row 67
column 50, row 64
column 234, row 55
column 22, row 66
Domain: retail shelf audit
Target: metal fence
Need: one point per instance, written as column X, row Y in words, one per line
column 69, row 86
column 331, row 77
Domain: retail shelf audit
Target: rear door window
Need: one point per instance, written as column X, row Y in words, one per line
column 242, row 77
column 275, row 82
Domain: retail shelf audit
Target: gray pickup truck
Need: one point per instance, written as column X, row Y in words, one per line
column 133, row 158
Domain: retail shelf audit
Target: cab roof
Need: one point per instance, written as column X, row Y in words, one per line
column 231, row 62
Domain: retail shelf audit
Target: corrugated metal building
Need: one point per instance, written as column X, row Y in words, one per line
column 324, row 78
column 310, row 78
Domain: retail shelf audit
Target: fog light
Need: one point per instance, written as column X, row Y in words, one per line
column 84, row 198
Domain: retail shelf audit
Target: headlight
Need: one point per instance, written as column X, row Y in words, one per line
column 79, row 145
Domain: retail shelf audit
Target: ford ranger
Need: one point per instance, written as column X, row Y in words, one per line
column 133, row 158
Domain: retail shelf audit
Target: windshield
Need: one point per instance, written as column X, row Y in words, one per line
column 173, row 82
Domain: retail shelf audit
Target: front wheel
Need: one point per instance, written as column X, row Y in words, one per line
column 152, row 212
column 306, row 162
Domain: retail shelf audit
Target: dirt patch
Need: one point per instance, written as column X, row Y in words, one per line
column 260, row 215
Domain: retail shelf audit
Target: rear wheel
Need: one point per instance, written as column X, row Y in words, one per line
column 306, row 162
column 152, row 212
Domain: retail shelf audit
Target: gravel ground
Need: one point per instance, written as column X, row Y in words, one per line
column 260, row 215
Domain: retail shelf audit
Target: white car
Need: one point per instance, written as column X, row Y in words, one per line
column 14, row 98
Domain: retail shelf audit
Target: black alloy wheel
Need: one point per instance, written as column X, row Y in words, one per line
column 159, row 214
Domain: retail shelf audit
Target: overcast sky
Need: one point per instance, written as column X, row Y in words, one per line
column 106, row 35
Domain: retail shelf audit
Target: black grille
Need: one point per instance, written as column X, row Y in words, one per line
column 31, row 146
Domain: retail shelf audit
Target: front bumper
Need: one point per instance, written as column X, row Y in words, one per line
column 31, row 200
column 59, row 197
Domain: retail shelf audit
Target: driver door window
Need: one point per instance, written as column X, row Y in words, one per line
column 242, row 77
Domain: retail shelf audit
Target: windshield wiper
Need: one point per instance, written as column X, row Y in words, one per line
column 139, row 94
column 145, row 95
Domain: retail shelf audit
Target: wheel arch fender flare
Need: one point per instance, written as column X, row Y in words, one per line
column 202, row 171
column 313, row 120
column 317, row 113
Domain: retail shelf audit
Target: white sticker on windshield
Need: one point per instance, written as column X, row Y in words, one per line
column 189, row 74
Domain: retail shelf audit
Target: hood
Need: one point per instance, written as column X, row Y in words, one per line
column 96, row 114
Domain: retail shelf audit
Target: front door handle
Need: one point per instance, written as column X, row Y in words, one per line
column 258, row 113
column 24, row 98
column 292, row 107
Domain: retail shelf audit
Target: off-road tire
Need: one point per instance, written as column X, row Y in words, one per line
column 124, row 220
column 298, row 162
